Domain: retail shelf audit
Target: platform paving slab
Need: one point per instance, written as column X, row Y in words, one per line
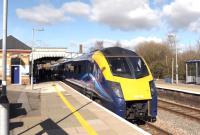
column 47, row 114
column 189, row 88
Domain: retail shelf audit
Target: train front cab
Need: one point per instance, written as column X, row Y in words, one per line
column 129, row 98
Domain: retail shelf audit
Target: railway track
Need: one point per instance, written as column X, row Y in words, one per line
column 153, row 129
column 183, row 110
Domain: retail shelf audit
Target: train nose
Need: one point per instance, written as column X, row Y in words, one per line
column 136, row 110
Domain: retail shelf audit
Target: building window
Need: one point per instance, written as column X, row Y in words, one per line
column 15, row 61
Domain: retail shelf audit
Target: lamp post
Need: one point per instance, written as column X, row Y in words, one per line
column 32, row 61
column 172, row 38
column 176, row 62
column 4, row 103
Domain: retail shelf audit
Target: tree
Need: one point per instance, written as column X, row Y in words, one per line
column 198, row 48
column 97, row 46
column 158, row 57
column 118, row 44
column 189, row 54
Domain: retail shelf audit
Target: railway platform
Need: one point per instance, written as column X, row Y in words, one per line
column 181, row 87
column 55, row 108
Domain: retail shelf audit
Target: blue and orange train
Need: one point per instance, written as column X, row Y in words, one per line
column 117, row 77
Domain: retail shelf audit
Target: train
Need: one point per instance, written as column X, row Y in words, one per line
column 117, row 77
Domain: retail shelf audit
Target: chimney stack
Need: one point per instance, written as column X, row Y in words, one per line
column 80, row 48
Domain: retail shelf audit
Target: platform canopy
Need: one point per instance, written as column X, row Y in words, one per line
column 52, row 52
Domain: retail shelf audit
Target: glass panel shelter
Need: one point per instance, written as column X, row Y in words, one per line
column 193, row 71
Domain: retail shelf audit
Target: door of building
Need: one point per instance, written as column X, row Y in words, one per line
column 15, row 74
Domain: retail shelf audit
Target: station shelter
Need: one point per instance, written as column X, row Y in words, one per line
column 43, row 58
column 17, row 61
column 193, row 71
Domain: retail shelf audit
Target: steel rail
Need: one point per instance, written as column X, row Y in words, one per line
column 186, row 111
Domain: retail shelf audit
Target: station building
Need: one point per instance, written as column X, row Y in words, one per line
column 21, row 56
column 18, row 54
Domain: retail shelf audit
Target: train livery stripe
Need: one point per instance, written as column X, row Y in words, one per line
column 78, row 116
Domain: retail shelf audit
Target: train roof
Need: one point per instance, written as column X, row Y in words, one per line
column 117, row 51
column 108, row 52
column 81, row 58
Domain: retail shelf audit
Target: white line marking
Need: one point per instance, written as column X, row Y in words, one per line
column 177, row 89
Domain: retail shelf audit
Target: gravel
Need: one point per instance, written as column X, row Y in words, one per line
column 177, row 125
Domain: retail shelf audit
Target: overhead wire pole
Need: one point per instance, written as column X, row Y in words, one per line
column 172, row 38
column 4, row 103
column 176, row 60
column 32, row 60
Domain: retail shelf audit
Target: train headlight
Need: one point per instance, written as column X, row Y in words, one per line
column 152, row 87
column 116, row 88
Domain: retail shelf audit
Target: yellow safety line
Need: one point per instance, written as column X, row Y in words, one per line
column 78, row 116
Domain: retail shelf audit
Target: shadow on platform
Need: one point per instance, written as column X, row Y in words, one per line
column 14, row 125
column 16, row 110
column 52, row 128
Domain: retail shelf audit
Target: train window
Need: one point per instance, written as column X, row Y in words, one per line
column 89, row 68
column 198, row 69
column 94, row 70
column 66, row 68
column 139, row 67
column 76, row 69
column 79, row 69
column 97, row 72
column 119, row 66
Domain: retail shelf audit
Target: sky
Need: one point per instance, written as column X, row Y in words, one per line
column 68, row 23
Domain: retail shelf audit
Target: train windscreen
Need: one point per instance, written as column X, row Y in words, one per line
column 139, row 67
column 130, row 67
column 119, row 66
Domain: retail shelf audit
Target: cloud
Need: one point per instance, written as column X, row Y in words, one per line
column 117, row 14
column 76, row 8
column 139, row 40
column 183, row 14
column 159, row 2
column 124, row 14
column 48, row 14
column 131, row 44
column 195, row 26
column 42, row 14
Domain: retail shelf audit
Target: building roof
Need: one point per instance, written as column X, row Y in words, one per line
column 13, row 43
column 52, row 52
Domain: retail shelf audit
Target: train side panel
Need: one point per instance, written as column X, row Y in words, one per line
column 138, row 97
